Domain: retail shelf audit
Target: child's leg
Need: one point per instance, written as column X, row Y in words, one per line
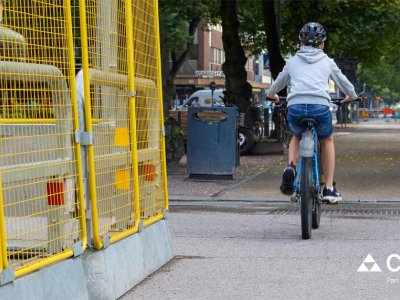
column 328, row 160
column 294, row 154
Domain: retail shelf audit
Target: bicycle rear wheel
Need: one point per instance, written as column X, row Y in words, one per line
column 306, row 195
column 316, row 213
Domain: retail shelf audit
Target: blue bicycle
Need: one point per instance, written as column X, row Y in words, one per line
column 309, row 179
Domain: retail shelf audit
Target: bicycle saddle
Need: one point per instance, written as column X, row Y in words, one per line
column 305, row 121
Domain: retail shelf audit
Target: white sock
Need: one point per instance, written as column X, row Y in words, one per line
column 330, row 188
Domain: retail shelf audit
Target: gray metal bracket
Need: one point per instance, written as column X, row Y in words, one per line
column 84, row 138
column 163, row 130
column 7, row 276
column 141, row 226
column 132, row 94
column 78, row 249
column 88, row 214
column 106, row 241
column 166, row 213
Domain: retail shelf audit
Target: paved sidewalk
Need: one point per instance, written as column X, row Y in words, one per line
column 180, row 187
column 367, row 169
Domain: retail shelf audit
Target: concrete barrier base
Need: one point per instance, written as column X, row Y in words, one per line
column 102, row 274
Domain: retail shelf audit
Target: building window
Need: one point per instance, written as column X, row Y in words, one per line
column 217, row 56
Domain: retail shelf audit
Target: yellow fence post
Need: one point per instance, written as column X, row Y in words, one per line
column 3, row 244
column 160, row 97
column 97, row 241
column 71, row 59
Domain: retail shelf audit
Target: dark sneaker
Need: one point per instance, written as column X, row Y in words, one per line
column 289, row 174
column 329, row 196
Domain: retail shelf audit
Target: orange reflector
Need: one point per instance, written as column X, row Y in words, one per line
column 55, row 193
column 149, row 172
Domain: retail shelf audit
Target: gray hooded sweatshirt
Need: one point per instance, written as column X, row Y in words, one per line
column 309, row 71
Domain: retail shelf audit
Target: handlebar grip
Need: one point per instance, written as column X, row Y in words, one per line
column 338, row 101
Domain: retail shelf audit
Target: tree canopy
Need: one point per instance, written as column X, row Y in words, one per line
column 367, row 31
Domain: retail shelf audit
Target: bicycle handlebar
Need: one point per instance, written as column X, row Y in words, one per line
column 337, row 101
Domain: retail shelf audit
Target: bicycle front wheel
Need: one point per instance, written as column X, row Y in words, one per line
column 306, row 196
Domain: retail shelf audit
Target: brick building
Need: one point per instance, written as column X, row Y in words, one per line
column 204, row 64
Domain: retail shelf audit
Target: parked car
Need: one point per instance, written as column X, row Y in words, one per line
column 203, row 98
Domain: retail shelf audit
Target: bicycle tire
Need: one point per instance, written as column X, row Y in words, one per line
column 246, row 140
column 258, row 129
column 316, row 214
column 287, row 136
column 320, row 170
column 306, row 197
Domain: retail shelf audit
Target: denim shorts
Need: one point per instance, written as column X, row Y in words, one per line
column 321, row 113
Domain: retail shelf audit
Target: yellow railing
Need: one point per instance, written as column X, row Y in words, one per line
column 42, row 195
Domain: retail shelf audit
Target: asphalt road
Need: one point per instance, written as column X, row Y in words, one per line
column 257, row 255
column 252, row 249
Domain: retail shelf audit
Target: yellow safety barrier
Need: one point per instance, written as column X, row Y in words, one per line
column 120, row 57
column 111, row 110
column 42, row 215
column 149, row 113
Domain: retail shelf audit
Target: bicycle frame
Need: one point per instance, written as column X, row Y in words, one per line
column 315, row 169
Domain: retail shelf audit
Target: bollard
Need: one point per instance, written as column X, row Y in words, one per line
column 266, row 122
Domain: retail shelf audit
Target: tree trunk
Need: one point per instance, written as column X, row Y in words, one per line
column 238, row 90
column 276, row 61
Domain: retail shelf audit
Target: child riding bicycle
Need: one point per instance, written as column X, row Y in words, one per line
column 309, row 72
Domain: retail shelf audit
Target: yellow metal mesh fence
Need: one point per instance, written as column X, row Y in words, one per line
column 40, row 184
column 124, row 115
column 151, row 159
column 109, row 101
column 42, row 205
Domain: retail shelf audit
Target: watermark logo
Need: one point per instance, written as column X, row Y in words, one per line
column 369, row 265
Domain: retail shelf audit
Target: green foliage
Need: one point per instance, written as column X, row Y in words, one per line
column 364, row 30
column 368, row 31
column 176, row 17
column 174, row 143
column 251, row 32
column 178, row 35
column 382, row 79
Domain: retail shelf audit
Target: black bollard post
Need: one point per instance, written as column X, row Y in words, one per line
column 266, row 122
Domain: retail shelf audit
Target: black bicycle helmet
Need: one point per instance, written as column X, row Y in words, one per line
column 312, row 34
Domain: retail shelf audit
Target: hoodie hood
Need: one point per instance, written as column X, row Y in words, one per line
column 310, row 54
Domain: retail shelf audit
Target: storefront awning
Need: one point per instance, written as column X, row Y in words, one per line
column 220, row 82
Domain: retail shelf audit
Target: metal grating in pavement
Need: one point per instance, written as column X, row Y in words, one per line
column 346, row 210
column 350, row 210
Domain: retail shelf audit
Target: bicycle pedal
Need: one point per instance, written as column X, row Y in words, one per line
column 295, row 198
